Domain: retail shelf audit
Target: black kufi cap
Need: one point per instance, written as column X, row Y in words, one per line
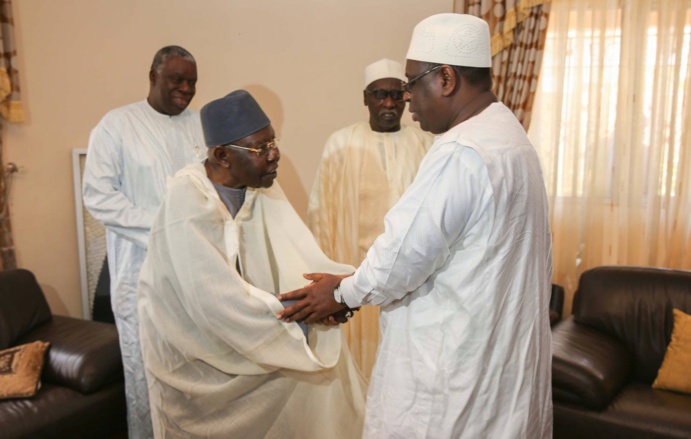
column 231, row 118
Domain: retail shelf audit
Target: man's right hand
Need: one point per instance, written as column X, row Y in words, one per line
column 316, row 300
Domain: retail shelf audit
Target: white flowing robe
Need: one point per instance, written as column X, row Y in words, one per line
column 362, row 174
column 219, row 363
column 462, row 274
column 131, row 152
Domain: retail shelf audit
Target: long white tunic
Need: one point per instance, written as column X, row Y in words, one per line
column 131, row 152
column 219, row 363
column 362, row 174
column 462, row 274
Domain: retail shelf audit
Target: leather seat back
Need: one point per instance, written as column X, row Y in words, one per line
column 22, row 305
column 634, row 305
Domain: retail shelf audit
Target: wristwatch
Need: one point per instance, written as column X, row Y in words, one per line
column 338, row 296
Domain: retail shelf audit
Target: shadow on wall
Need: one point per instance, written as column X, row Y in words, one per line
column 57, row 306
column 288, row 175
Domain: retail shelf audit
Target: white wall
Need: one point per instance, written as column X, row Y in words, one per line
column 302, row 60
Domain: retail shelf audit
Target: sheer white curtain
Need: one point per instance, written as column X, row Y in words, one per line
column 612, row 124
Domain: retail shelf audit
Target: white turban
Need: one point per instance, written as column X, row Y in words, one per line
column 454, row 39
column 384, row 68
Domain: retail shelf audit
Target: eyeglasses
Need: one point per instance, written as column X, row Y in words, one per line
column 381, row 94
column 260, row 151
column 407, row 85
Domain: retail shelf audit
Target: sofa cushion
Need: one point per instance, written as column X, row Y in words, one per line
column 84, row 355
column 20, row 370
column 58, row 412
column 637, row 411
column 634, row 305
column 588, row 367
column 22, row 305
column 674, row 372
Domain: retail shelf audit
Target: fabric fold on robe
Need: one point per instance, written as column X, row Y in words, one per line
column 362, row 174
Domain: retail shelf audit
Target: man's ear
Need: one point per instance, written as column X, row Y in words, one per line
column 152, row 77
column 364, row 97
column 221, row 156
column 450, row 80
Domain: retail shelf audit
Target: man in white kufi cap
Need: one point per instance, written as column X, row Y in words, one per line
column 462, row 272
column 364, row 170
column 225, row 242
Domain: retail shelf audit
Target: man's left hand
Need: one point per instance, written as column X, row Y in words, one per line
column 316, row 299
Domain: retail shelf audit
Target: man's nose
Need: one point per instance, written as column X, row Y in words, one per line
column 389, row 102
column 273, row 155
column 187, row 87
column 406, row 96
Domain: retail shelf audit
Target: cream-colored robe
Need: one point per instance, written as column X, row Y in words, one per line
column 361, row 175
column 218, row 362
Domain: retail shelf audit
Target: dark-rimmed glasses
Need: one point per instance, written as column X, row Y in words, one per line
column 381, row 94
column 407, row 85
column 260, row 151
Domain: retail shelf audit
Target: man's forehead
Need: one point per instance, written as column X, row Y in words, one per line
column 386, row 84
column 260, row 137
column 178, row 63
column 412, row 68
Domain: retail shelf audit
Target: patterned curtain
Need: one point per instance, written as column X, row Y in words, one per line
column 518, row 29
column 10, row 110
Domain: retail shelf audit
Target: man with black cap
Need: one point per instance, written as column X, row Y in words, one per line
column 224, row 243
column 462, row 271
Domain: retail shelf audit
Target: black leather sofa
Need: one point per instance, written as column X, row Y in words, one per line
column 607, row 354
column 82, row 393
column 556, row 304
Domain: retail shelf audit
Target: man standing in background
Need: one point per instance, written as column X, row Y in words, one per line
column 364, row 170
column 131, row 152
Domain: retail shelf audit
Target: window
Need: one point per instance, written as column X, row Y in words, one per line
column 610, row 103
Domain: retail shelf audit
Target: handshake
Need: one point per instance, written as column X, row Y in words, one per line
column 315, row 303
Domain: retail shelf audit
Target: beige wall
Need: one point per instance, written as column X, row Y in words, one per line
column 303, row 60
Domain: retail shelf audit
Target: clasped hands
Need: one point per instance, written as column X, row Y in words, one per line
column 316, row 301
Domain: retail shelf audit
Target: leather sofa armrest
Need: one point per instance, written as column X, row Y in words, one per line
column 553, row 317
column 588, row 367
column 84, row 355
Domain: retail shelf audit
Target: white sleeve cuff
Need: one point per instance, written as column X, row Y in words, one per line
column 348, row 292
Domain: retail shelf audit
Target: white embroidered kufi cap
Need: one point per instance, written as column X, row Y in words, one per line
column 384, row 68
column 454, row 39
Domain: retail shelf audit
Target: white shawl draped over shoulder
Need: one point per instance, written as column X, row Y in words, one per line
column 219, row 363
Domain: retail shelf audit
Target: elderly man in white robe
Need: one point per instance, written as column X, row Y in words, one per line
column 132, row 151
column 462, row 271
column 364, row 170
column 225, row 242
